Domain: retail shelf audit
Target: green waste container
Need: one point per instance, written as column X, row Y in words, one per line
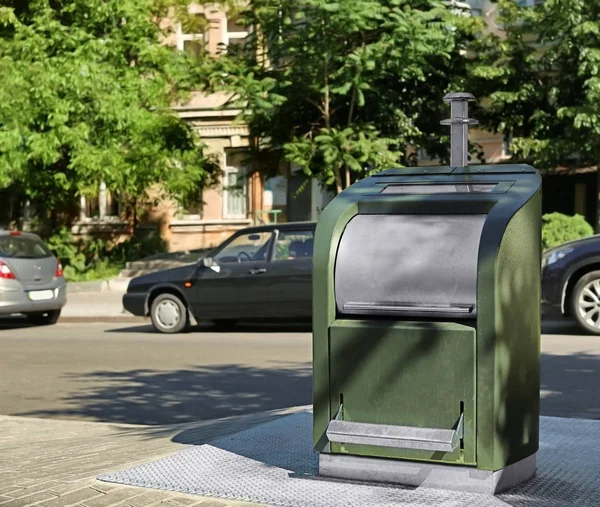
column 426, row 328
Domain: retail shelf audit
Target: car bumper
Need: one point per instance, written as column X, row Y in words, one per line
column 552, row 287
column 135, row 303
column 19, row 301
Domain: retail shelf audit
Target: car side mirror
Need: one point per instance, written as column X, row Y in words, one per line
column 207, row 261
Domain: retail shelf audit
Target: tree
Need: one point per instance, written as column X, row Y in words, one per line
column 542, row 82
column 342, row 87
column 85, row 93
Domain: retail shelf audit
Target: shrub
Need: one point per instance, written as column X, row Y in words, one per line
column 558, row 229
column 94, row 258
column 137, row 248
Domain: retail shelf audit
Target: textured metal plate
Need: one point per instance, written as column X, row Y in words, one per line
column 274, row 464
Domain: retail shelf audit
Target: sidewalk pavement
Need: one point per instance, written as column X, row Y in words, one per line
column 54, row 463
column 96, row 307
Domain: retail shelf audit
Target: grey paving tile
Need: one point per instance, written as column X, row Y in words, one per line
column 34, row 499
column 67, row 487
column 103, row 487
column 213, row 503
column 148, row 498
column 114, row 497
column 29, row 490
column 72, row 498
column 181, row 501
column 9, row 490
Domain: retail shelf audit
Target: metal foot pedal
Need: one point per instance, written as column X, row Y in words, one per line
column 400, row 437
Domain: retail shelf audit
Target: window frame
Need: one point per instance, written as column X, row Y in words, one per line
column 182, row 37
column 227, row 35
column 102, row 198
column 226, row 193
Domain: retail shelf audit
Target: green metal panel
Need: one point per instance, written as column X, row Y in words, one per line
column 509, row 345
column 404, row 374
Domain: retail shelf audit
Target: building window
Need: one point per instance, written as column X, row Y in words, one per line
column 476, row 7
column 105, row 206
column 194, row 209
column 235, row 186
column 529, row 3
column 236, row 34
column 581, row 199
column 192, row 35
column 506, row 149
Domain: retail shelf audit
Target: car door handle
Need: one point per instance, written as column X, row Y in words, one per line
column 257, row 271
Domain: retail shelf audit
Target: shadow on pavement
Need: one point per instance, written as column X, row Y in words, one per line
column 570, row 385
column 243, row 327
column 199, row 393
column 14, row 322
column 562, row 326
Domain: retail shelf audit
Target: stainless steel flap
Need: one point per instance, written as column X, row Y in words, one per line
column 401, row 437
column 409, row 265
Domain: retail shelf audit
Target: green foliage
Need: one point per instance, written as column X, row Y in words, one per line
column 94, row 258
column 85, row 93
column 68, row 252
column 542, row 81
column 342, row 87
column 136, row 248
column 558, row 229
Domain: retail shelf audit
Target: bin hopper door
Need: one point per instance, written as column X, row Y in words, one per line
column 409, row 265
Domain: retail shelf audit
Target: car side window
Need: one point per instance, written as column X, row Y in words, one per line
column 246, row 248
column 294, row 245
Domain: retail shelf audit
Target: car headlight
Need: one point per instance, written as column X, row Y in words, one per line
column 555, row 256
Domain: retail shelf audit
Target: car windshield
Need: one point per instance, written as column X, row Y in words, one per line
column 23, row 247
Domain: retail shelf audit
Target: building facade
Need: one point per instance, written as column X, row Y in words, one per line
column 242, row 197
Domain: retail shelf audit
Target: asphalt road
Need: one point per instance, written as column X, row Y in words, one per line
column 127, row 373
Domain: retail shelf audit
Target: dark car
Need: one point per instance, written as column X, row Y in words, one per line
column 571, row 281
column 258, row 273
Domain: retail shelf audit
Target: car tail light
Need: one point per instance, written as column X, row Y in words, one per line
column 59, row 270
column 5, row 272
column 15, row 233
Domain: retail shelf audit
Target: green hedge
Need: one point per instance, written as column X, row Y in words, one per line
column 98, row 259
column 558, row 229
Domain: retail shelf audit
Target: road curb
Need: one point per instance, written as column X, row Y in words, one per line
column 81, row 287
column 125, row 319
column 118, row 284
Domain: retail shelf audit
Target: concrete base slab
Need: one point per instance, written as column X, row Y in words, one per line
column 427, row 475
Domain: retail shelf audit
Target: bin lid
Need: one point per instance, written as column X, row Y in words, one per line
column 471, row 169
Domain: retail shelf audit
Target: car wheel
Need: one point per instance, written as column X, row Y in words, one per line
column 225, row 323
column 44, row 318
column 169, row 314
column 585, row 302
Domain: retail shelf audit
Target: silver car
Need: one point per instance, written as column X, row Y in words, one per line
column 31, row 278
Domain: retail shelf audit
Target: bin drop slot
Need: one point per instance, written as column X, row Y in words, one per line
column 381, row 307
column 399, row 437
column 465, row 188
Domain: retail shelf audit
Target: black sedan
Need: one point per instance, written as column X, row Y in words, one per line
column 258, row 273
column 571, row 281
